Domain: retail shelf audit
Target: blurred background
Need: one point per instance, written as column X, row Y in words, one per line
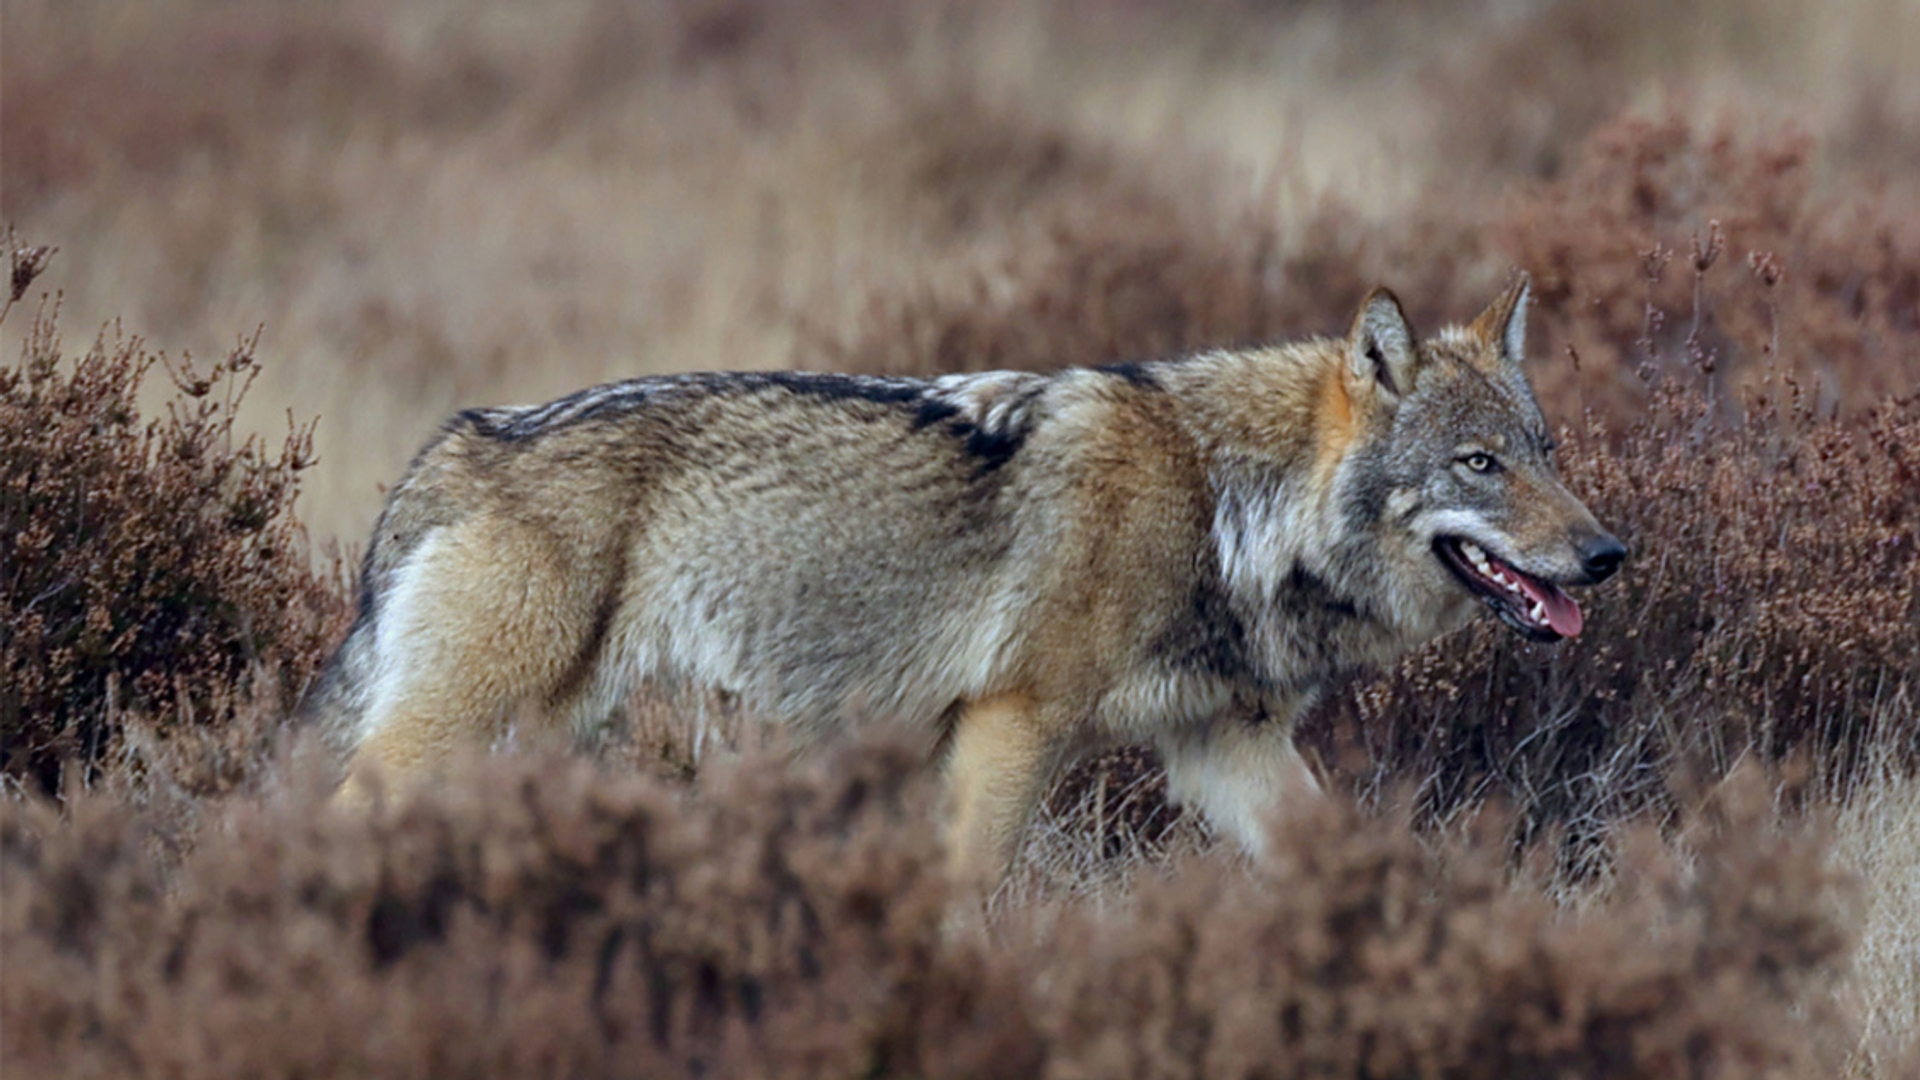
column 427, row 205
column 443, row 203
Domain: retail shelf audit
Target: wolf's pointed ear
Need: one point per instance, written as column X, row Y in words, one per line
column 1504, row 324
column 1382, row 350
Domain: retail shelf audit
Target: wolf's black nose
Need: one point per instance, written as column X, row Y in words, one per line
column 1600, row 555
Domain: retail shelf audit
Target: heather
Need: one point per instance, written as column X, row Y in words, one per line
column 242, row 295
column 151, row 564
column 544, row 916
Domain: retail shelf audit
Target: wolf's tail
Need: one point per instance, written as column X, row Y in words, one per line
column 335, row 706
column 337, row 700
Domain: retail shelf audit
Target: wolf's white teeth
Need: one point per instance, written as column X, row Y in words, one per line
column 1539, row 612
column 1493, row 572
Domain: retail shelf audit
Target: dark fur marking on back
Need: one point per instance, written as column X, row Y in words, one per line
column 619, row 399
column 826, row 385
column 933, row 410
column 506, row 425
column 482, row 422
column 519, row 425
column 613, row 405
column 1133, row 372
column 992, row 449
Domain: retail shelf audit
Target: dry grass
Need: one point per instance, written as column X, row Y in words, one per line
column 443, row 204
column 1878, row 839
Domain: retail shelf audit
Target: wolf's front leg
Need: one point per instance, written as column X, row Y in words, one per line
column 1002, row 755
column 1237, row 769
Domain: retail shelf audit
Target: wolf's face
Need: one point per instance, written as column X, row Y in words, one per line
column 1461, row 471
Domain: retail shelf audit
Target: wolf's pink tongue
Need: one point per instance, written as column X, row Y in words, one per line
column 1562, row 613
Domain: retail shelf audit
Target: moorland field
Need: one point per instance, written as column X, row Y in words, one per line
column 258, row 251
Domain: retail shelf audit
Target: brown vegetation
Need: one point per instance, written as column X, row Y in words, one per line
column 440, row 205
column 542, row 917
column 149, row 564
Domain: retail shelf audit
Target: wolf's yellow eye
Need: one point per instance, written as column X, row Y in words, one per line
column 1479, row 462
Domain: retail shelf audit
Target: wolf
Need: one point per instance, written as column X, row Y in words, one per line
column 1025, row 567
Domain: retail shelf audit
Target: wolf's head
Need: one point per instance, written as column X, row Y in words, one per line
column 1456, row 480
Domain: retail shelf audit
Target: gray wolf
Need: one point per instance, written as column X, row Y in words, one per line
column 1024, row 566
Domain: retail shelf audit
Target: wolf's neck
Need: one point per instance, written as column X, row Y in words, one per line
column 1265, row 406
column 1275, row 426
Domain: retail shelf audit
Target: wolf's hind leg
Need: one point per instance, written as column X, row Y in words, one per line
column 1237, row 772
column 484, row 616
column 998, row 765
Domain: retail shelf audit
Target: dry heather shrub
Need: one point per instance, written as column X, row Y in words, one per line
column 536, row 918
column 1118, row 800
column 145, row 565
column 1360, row 953
column 1824, row 286
column 542, row 918
column 1768, row 608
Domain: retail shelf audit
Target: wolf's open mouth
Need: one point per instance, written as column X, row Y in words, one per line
column 1536, row 608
